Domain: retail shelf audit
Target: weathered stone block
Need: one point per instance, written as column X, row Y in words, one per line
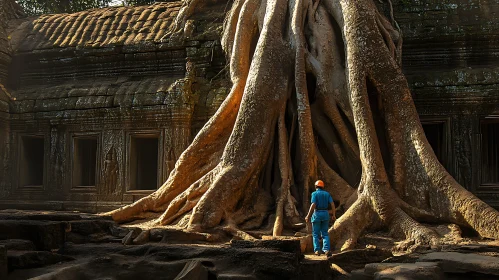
column 123, row 101
column 18, row 244
column 305, row 241
column 315, row 270
column 290, row 246
column 31, row 259
column 87, row 227
column 358, row 258
column 394, row 271
column 43, row 105
column 89, row 102
column 461, row 263
column 148, row 99
column 45, row 235
column 22, row 106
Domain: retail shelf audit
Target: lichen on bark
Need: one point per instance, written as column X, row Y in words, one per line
column 317, row 92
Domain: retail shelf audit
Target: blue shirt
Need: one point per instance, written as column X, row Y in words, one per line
column 322, row 199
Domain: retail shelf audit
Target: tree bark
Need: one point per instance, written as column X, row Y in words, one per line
column 322, row 97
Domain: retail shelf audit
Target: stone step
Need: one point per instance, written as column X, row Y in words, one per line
column 45, row 235
column 94, row 231
column 283, row 245
column 87, row 227
column 306, row 245
column 18, row 244
column 31, row 259
column 315, row 269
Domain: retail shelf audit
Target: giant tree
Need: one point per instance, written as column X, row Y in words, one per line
column 317, row 92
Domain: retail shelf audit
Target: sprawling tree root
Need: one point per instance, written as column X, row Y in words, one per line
column 317, row 93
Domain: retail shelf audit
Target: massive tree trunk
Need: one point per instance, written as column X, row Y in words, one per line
column 318, row 92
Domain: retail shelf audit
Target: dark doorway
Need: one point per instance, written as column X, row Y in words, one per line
column 84, row 162
column 144, row 163
column 32, row 161
column 435, row 134
column 490, row 152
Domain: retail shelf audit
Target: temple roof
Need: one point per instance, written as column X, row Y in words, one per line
column 95, row 28
column 107, row 58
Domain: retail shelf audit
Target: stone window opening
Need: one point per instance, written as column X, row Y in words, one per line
column 436, row 135
column 85, row 161
column 32, row 159
column 489, row 129
column 144, row 158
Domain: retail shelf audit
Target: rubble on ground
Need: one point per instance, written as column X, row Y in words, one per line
column 69, row 245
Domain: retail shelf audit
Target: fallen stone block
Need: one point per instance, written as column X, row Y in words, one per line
column 358, row 258
column 283, row 245
column 306, row 244
column 92, row 238
column 453, row 262
column 88, row 227
column 409, row 271
column 46, row 235
column 18, row 244
column 407, row 258
column 475, row 248
column 315, row 269
column 31, row 259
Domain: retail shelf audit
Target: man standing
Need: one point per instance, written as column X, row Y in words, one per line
column 321, row 199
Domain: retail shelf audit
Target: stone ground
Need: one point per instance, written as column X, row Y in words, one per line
column 72, row 245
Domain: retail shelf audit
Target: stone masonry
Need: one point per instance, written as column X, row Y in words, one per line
column 108, row 89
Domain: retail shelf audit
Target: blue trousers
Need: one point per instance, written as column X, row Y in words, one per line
column 319, row 228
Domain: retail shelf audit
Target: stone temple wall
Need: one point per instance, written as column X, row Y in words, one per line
column 110, row 77
column 114, row 76
column 4, row 47
column 451, row 60
column 6, row 13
